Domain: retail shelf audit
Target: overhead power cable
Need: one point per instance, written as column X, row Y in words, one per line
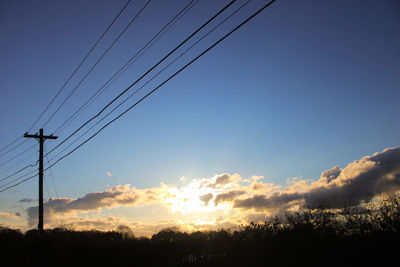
column 127, row 64
column 47, row 188
column 10, row 144
column 14, row 147
column 91, row 69
column 15, row 173
column 61, row 89
column 151, row 92
column 167, row 80
column 20, row 182
column 16, row 156
column 137, row 90
column 51, row 175
column 17, row 163
column 145, row 74
column 19, row 178
column 80, row 64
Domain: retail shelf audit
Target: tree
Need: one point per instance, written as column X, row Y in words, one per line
column 125, row 231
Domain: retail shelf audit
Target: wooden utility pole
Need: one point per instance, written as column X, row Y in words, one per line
column 40, row 138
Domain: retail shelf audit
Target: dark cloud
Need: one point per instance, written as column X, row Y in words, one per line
column 119, row 195
column 277, row 201
column 258, row 186
column 360, row 181
column 26, row 200
column 206, row 198
column 219, row 181
column 331, row 174
column 228, row 196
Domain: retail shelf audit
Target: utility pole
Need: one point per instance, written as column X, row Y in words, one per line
column 40, row 138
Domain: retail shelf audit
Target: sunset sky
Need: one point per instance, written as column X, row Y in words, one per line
column 298, row 107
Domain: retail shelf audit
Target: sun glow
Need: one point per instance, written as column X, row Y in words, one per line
column 195, row 198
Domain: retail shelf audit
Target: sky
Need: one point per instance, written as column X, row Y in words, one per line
column 296, row 108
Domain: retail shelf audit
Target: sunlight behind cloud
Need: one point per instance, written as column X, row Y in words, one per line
column 224, row 200
column 194, row 198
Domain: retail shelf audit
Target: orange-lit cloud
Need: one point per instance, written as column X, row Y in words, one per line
column 360, row 181
column 225, row 200
column 8, row 215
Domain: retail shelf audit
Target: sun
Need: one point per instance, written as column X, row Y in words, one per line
column 194, row 199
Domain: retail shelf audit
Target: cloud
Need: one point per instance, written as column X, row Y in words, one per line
column 278, row 201
column 331, row 174
column 236, row 200
column 206, row 198
column 184, row 179
column 116, row 196
column 109, row 174
column 359, row 181
column 7, row 215
column 229, row 196
column 256, row 177
column 219, row 181
column 26, row 200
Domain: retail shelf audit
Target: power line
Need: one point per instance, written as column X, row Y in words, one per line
column 16, row 156
column 160, row 85
column 14, row 185
column 51, row 175
column 11, row 149
column 137, row 90
column 145, row 74
column 20, row 170
column 128, row 64
column 47, row 188
column 16, row 164
column 155, row 89
column 20, row 177
column 14, row 147
column 91, row 69
column 80, row 64
column 180, row 13
column 10, row 144
column 61, row 89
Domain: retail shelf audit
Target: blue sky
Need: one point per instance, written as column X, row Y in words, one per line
column 303, row 87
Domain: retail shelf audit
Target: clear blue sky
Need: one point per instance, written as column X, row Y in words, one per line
column 303, row 87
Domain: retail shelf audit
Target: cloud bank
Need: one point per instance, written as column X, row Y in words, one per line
column 360, row 181
column 228, row 199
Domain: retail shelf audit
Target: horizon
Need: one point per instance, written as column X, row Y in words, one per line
column 296, row 108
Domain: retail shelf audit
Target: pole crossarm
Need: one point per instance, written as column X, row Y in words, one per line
column 37, row 136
